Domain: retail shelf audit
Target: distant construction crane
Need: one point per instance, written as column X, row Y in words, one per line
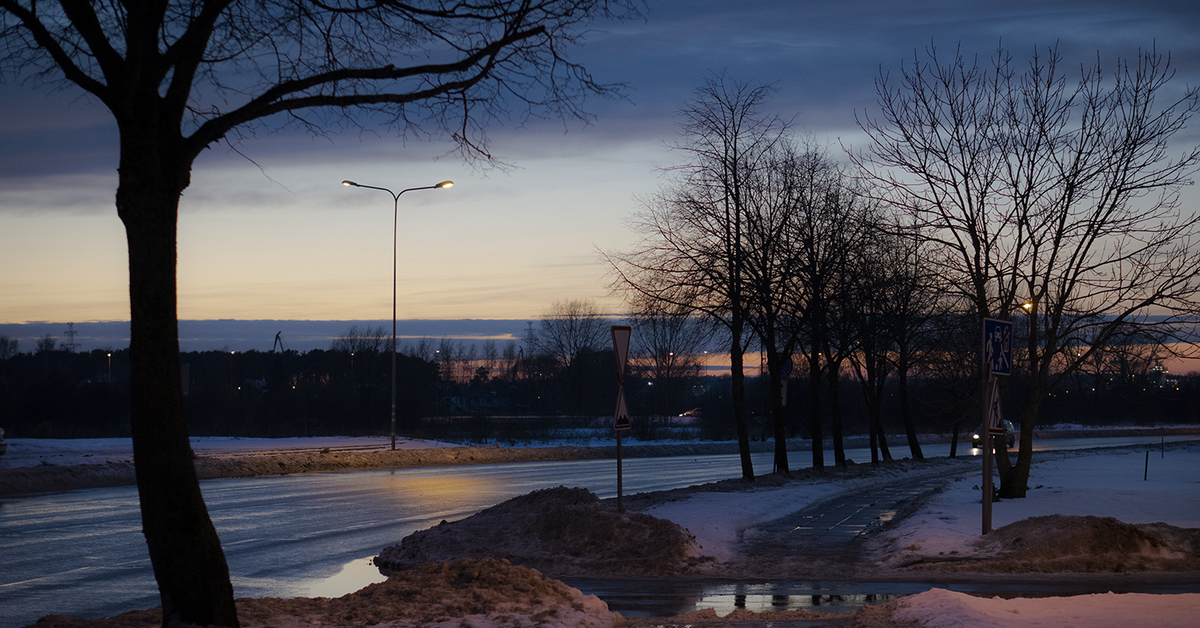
column 279, row 343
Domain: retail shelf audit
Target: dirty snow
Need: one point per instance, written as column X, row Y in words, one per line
column 939, row 608
column 558, row 531
column 468, row 593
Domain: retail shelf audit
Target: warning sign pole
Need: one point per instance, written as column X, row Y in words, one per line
column 620, row 336
column 986, row 443
column 997, row 360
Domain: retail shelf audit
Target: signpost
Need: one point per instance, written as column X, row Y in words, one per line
column 620, row 336
column 997, row 360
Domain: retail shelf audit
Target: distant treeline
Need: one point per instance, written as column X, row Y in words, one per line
column 463, row 394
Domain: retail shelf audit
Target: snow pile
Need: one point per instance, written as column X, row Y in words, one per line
column 560, row 531
column 1055, row 543
column 939, row 608
column 468, row 593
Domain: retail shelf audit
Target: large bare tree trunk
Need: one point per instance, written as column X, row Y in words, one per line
column 185, row 552
column 835, row 413
column 778, row 420
column 910, row 429
column 738, row 384
column 814, row 401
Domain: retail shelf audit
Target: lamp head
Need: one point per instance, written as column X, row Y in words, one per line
column 1028, row 305
column 349, row 183
column 444, row 184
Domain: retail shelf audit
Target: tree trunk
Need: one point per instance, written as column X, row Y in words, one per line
column 1018, row 478
column 814, row 401
column 774, row 373
column 883, row 446
column 185, row 552
column 914, row 445
column 872, row 429
column 738, row 392
column 835, row 413
column 954, row 439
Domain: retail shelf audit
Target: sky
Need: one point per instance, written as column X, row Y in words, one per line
column 267, row 233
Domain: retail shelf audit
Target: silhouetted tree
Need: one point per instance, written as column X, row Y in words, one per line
column 693, row 248
column 8, row 347
column 1053, row 192
column 567, row 333
column 181, row 76
column 668, row 343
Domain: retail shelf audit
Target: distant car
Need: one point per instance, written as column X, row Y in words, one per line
column 1010, row 435
column 3, row 443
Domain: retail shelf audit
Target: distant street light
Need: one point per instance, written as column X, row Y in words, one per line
column 395, row 228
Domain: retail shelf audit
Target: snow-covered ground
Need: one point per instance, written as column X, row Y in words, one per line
column 1106, row 483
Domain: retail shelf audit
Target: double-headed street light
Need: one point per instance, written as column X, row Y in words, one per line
column 395, row 221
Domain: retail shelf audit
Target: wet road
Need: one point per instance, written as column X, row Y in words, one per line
column 82, row 552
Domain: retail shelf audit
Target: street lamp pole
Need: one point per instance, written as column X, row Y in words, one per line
column 395, row 229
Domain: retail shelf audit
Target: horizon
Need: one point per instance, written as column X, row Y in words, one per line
column 308, row 335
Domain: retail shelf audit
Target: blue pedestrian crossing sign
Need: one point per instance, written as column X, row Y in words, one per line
column 997, row 346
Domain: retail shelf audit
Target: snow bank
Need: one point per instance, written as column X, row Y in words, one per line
column 467, row 593
column 939, row 608
column 559, row 531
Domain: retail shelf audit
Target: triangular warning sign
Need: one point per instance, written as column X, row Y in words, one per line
column 621, row 419
column 620, row 336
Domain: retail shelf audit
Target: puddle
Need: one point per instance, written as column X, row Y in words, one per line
column 642, row 598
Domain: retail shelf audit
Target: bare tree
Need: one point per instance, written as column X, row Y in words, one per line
column 1055, row 193
column 46, row 343
column 568, row 331
column 668, row 342
column 491, row 356
column 805, row 227
column 8, row 347
column 181, row 76
column 693, row 248
column 826, row 236
column 912, row 302
column 362, row 340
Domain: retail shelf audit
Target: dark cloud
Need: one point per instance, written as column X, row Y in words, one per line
column 823, row 55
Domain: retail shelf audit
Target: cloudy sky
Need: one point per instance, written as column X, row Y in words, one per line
column 271, row 234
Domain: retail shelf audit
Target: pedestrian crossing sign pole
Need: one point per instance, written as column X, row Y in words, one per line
column 620, row 336
column 997, row 360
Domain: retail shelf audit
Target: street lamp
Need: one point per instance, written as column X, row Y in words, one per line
column 395, row 221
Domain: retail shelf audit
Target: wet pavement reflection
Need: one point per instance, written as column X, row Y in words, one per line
column 660, row 598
